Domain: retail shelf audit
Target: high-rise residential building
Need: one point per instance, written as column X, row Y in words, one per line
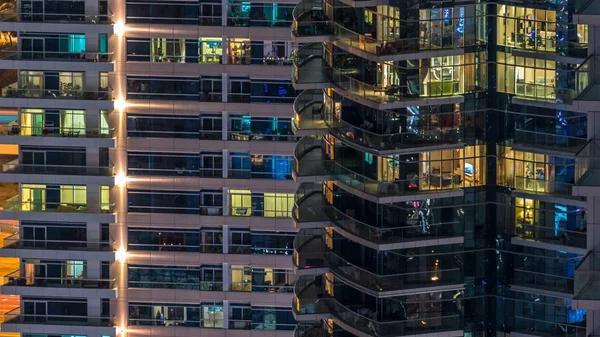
column 449, row 168
column 147, row 177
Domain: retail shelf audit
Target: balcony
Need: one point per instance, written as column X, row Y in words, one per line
column 15, row 242
column 71, row 170
column 47, row 60
column 539, row 281
column 44, row 136
column 308, row 252
column 392, row 96
column 309, row 330
column 16, row 321
column 15, row 204
column 396, row 190
column 587, row 170
column 526, row 326
column 556, row 236
column 393, row 143
column 433, row 279
column 37, row 56
column 310, row 69
column 391, row 238
column 308, row 114
column 548, row 95
column 527, row 140
column 310, row 165
column 15, row 284
column 11, row 15
column 587, row 283
column 309, row 207
column 310, row 22
column 40, row 93
column 307, row 308
column 397, row 49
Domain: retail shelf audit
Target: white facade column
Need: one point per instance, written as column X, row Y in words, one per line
column 225, row 239
column 225, row 125
column 226, row 314
column 225, row 164
column 226, row 277
column 225, row 201
column 224, row 87
column 93, row 198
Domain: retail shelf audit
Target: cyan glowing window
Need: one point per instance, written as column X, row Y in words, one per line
column 76, row 43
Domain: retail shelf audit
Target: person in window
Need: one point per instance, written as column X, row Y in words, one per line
column 160, row 318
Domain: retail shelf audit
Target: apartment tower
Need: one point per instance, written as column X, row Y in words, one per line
column 448, row 168
column 147, row 183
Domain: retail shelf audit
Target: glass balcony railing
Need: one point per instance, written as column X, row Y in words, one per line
column 15, row 279
column 391, row 235
column 15, row 204
column 540, row 186
column 29, row 131
column 548, row 141
column 560, row 236
column 435, row 276
column 55, row 56
column 309, row 159
column 396, row 46
column 375, row 328
column 16, row 317
column 201, row 285
column 245, row 136
column 587, row 164
column 12, row 92
column 309, row 330
column 393, row 141
column 393, row 93
column 58, row 170
column 530, row 326
column 528, row 278
column 587, row 278
column 308, row 111
column 310, row 20
column 309, row 205
column 308, row 249
column 15, row 242
column 14, row 16
column 397, row 187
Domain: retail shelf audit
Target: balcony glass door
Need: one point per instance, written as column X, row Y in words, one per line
column 34, row 236
column 32, row 122
column 35, row 311
column 33, row 197
column 32, row 48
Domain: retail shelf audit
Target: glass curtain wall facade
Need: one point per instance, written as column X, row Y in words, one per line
column 447, row 168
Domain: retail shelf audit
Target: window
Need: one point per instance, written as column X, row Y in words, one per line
column 210, row 49
column 167, row 50
column 73, row 195
column 72, row 121
column 212, row 315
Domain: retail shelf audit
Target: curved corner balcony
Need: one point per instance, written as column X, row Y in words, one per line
column 391, row 238
column 310, row 330
column 396, row 190
column 310, row 23
column 310, row 165
column 310, row 69
column 308, row 253
column 322, row 306
column 430, row 278
column 308, row 114
column 396, row 49
column 393, row 97
column 393, row 143
column 309, row 207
